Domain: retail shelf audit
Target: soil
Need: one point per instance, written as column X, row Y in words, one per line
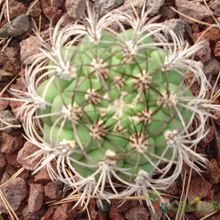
column 36, row 196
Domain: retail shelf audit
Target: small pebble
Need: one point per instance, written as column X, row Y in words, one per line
column 42, row 176
column 104, row 6
column 16, row 27
column 192, row 9
column 11, row 142
column 204, row 54
column 36, row 197
column 154, row 6
column 215, row 6
column 14, row 191
column 217, row 50
column 9, row 121
column 75, row 8
column 29, row 47
column 26, row 151
column 15, row 8
column 212, row 67
column 177, row 25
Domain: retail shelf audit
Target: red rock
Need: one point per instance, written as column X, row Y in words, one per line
column 212, row 67
column 52, row 12
column 20, row 86
column 9, row 60
column 42, row 176
column 53, row 190
column 137, row 213
column 26, row 151
column 9, row 122
column 199, row 187
column 100, row 216
column 213, row 34
column 2, row 160
column 57, row 3
column 14, row 191
column 16, row 8
column 10, row 169
column 204, row 54
column 36, row 197
column 215, row 6
column 27, row 215
column 192, row 9
column 61, row 212
column 217, row 50
column 75, row 8
column 48, row 214
column 11, row 142
column 35, row 9
column 209, row 137
column 25, row 174
column 116, row 215
column 29, row 47
column 167, row 12
column 12, row 159
column 5, row 177
column 92, row 209
column 213, row 171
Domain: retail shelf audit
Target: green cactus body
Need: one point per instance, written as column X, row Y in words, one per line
column 115, row 106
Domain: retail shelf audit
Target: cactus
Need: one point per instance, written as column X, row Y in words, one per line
column 113, row 109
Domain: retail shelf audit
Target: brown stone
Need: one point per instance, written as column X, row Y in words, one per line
column 52, row 12
column 193, row 10
column 48, row 214
column 26, row 151
column 14, row 191
column 139, row 212
column 12, row 159
column 217, row 50
column 28, row 215
column 36, row 197
column 57, row 3
column 9, row 122
column 35, row 9
column 53, row 190
column 75, row 8
column 16, row 105
column 11, row 142
column 212, row 67
column 61, row 212
column 213, row 171
column 204, row 54
column 29, row 47
column 213, row 34
column 2, row 160
column 9, row 60
column 42, row 176
column 5, row 177
column 16, row 8
column 199, row 187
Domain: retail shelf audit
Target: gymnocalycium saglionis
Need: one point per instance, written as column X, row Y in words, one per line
column 112, row 111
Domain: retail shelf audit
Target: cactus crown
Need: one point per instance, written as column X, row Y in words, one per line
column 113, row 109
column 114, row 105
